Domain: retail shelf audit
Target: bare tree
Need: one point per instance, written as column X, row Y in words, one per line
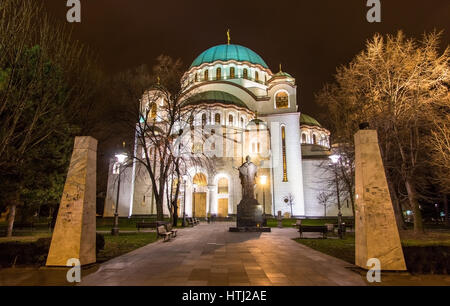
column 393, row 85
column 324, row 199
column 154, row 107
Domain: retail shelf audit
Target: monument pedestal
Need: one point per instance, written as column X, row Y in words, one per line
column 74, row 234
column 376, row 229
column 250, row 217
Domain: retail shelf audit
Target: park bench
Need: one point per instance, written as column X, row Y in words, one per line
column 313, row 229
column 191, row 222
column 298, row 223
column 172, row 230
column 196, row 221
column 161, row 231
column 140, row 225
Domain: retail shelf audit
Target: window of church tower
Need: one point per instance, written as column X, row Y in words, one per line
column 116, row 167
column 232, row 73
column 314, row 139
column 222, row 186
column 153, row 110
column 282, row 100
column 242, row 122
column 256, row 76
column 217, row 119
column 245, row 73
column 218, row 74
column 283, row 145
column 206, row 75
column 230, row 120
column 196, row 77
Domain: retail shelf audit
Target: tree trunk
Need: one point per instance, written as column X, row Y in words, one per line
column 175, row 214
column 397, row 209
column 418, row 222
column 159, row 208
column 11, row 217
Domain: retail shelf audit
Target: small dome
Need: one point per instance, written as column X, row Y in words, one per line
column 228, row 53
column 308, row 120
column 211, row 97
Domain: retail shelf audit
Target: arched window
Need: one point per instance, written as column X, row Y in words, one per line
column 222, row 186
column 203, row 120
column 218, row 74
column 303, row 138
column 282, row 100
column 116, row 168
column 256, row 76
column 230, row 120
column 196, row 77
column 245, row 73
column 314, row 139
column 206, row 75
column 200, row 180
column 153, row 110
column 283, row 144
column 232, row 73
column 217, row 119
column 242, row 122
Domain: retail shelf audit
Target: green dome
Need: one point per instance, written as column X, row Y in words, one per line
column 308, row 120
column 228, row 53
column 210, row 97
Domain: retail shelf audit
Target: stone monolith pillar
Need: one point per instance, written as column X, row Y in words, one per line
column 376, row 229
column 74, row 233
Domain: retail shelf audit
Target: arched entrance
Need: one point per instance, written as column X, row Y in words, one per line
column 199, row 196
column 222, row 194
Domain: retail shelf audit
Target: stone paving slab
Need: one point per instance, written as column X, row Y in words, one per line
column 209, row 255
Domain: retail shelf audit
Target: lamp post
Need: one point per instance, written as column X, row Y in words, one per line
column 183, row 223
column 263, row 182
column 120, row 159
column 193, row 195
column 335, row 159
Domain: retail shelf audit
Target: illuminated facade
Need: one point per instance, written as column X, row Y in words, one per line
column 256, row 113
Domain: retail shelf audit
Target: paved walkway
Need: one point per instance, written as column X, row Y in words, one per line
column 209, row 255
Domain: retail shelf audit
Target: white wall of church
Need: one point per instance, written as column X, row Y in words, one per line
column 294, row 185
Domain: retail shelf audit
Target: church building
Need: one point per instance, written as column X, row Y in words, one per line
column 258, row 110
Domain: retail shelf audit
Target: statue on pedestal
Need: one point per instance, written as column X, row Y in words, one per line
column 249, row 211
column 247, row 174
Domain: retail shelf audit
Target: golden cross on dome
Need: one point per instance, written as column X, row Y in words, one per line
column 280, row 68
column 228, row 36
column 159, row 80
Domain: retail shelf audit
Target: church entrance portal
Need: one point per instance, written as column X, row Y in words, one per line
column 199, row 203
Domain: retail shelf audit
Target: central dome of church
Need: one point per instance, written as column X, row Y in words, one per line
column 227, row 53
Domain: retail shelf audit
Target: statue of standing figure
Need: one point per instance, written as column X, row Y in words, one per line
column 247, row 174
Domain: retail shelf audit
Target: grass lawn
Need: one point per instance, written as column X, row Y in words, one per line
column 345, row 248
column 124, row 243
column 340, row 248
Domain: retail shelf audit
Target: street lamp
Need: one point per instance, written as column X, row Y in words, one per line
column 183, row 223
column 263, row 182
column 120, row 159
column 335, row 159
column 195, row 191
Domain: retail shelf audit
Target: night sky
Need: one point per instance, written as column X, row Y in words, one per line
column 310, row 38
